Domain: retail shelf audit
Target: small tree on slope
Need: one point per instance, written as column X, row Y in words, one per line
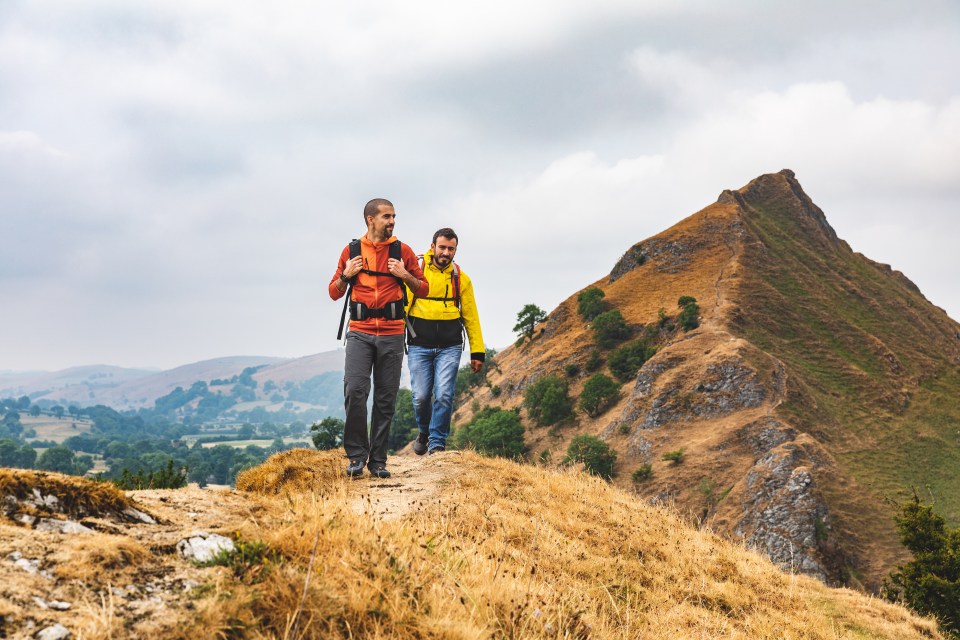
column 930, row 583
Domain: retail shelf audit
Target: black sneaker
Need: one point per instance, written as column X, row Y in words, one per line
column 379, row 471
column 355, row 468
column 437, row 449
column 420, row 444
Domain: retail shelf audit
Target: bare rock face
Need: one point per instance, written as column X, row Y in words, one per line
column 705, row 388
column 727, row 390
column 783, row 516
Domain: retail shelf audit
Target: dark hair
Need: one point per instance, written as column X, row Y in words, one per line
column 372, row 208
column 446, row 232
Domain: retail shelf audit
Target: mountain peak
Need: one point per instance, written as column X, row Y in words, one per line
column 781, row 194
column 812, row 368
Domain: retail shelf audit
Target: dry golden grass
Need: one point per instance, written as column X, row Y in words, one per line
column 294, row 471
column 519, row 552
column 89, row 558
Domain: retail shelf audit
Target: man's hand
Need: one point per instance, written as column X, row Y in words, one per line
column 476, row 365
column 352, row 267
column 396, row 267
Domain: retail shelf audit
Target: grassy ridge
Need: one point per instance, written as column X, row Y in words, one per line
column 871, row 352
column 515, row 551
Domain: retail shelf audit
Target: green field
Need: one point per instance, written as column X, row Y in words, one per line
column 56, row 429
column 240, row 444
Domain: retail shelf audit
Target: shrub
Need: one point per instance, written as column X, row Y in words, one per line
column 598, row 393
column 663, row 320
column 467, row 380
column 642, row 473
column 492, row 432
column 590, row 303
column 689, row 317
column 594, row 361
column 610, row 328
column 930, row 583
column 571, row 370
column 547, row 401
column 168, row 477
column 249, row 560
column 596, row 455
column 627, row 360
column 676, row 457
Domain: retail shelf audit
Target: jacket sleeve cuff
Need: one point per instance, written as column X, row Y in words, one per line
column 478, row 356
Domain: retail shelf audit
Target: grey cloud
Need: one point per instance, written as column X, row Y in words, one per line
column 215, row 162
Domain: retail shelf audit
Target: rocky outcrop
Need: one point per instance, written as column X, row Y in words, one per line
column 48, row 511
column 713, row 388
column 784, row 518
column 701, row 381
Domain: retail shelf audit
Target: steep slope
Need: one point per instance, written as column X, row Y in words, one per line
column 818, row 387
column 453, row 546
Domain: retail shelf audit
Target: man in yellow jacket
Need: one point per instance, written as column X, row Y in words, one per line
column 436, row 325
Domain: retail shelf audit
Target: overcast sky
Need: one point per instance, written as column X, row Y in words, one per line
column 177, row 177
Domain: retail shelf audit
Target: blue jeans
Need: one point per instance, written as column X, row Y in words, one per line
column 433, row 374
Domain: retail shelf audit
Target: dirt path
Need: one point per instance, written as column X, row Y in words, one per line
column 416, row 482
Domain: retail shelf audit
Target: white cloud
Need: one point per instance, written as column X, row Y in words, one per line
column 557, row 231
column 198, row 164
column 19, row 145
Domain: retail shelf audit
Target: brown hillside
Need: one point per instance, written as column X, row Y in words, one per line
column 300, row 369
column 818, row 386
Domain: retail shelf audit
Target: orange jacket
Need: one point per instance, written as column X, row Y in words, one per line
column 377, row 291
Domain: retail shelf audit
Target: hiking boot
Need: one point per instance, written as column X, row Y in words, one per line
column 355, row 468
column 420, row 444
column 379, row 471
column 437, row 449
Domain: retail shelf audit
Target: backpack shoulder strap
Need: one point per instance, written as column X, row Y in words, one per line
column 423, row 265
column 354, row 252
column 455, row 277
column 396, row 252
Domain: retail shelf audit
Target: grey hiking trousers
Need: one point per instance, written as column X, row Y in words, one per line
column 382, row 356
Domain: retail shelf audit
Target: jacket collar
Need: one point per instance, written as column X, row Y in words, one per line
column 377, row 245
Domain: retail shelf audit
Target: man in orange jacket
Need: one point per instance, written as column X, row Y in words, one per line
column 376, row 334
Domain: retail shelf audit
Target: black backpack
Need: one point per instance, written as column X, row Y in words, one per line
column 358, row 311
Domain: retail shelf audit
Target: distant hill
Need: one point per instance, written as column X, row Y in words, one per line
column 123, row 389
column 76, row 384
column 819, row 386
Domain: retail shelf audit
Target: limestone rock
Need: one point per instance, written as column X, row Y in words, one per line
column 53, row 632
column 203, row 547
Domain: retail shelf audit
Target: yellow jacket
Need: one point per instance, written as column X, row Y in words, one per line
column 435, row 318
